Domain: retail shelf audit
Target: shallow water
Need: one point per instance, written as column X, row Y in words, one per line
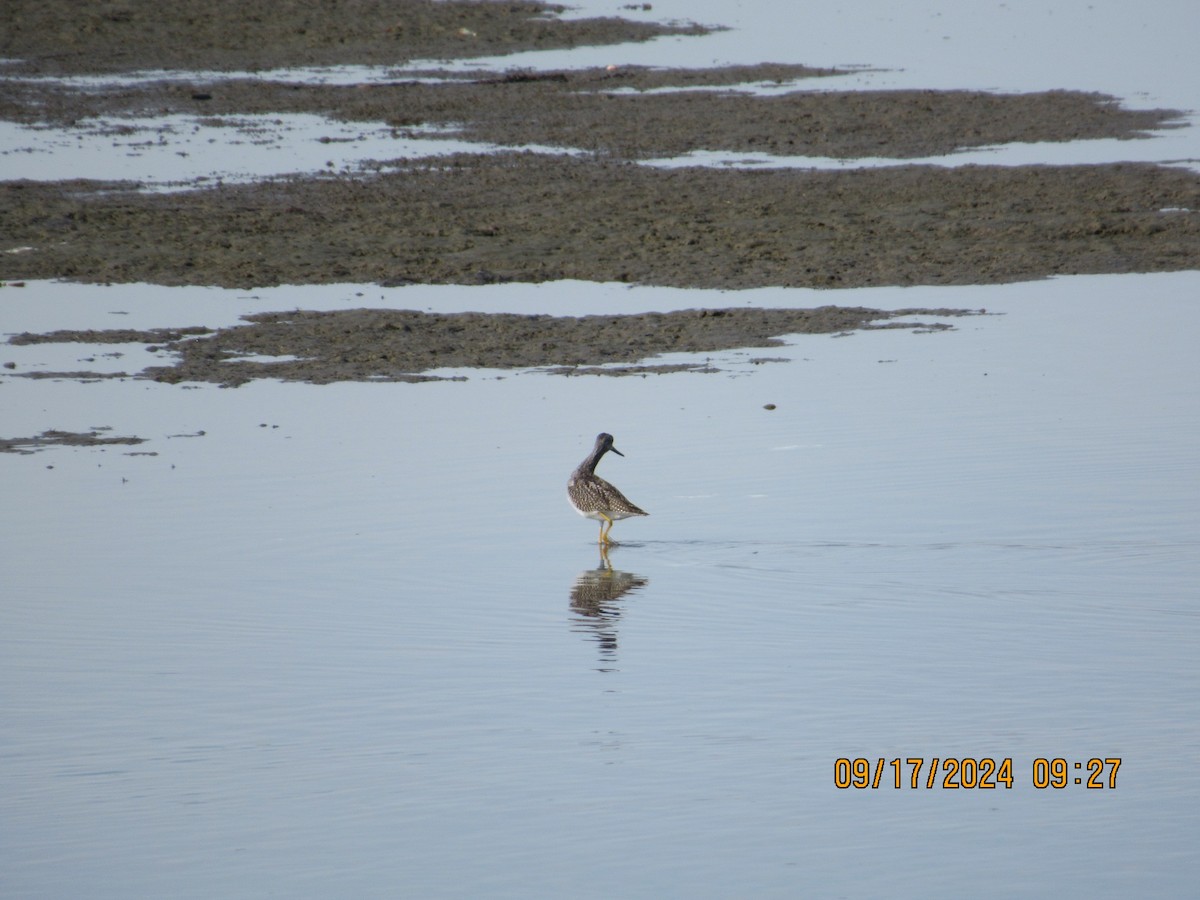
column 350, row 640
column 177, row 152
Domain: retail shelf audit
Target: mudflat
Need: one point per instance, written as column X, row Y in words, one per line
column 586, row 205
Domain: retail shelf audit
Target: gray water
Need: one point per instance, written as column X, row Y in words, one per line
column 353, row 641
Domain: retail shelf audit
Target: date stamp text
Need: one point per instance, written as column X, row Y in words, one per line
column 968, row 773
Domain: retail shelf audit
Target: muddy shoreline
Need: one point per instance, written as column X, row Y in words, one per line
column 585, row 207
column 404, row 345
column 97, row 437
column 588, row 211
column 65, row 37
column 526, row 217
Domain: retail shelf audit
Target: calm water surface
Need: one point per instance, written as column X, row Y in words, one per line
column 353, row 640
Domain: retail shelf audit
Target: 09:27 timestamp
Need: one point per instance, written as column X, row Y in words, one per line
column 983, row 773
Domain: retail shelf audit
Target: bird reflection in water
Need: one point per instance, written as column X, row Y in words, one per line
column 595, row 601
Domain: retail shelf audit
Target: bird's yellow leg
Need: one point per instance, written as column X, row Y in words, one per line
column 605, row 527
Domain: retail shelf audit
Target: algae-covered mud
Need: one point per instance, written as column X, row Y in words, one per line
column 56, row 438
column 68, row 37
column 402, row 345
column 586, row 205
column 523, row 217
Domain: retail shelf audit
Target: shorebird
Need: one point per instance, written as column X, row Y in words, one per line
column 595, row 498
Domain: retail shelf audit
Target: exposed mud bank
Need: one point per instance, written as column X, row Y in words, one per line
column 61, row 37
column 403, row 345
column 54, row 438
column 525, row 217
column 591, row 211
